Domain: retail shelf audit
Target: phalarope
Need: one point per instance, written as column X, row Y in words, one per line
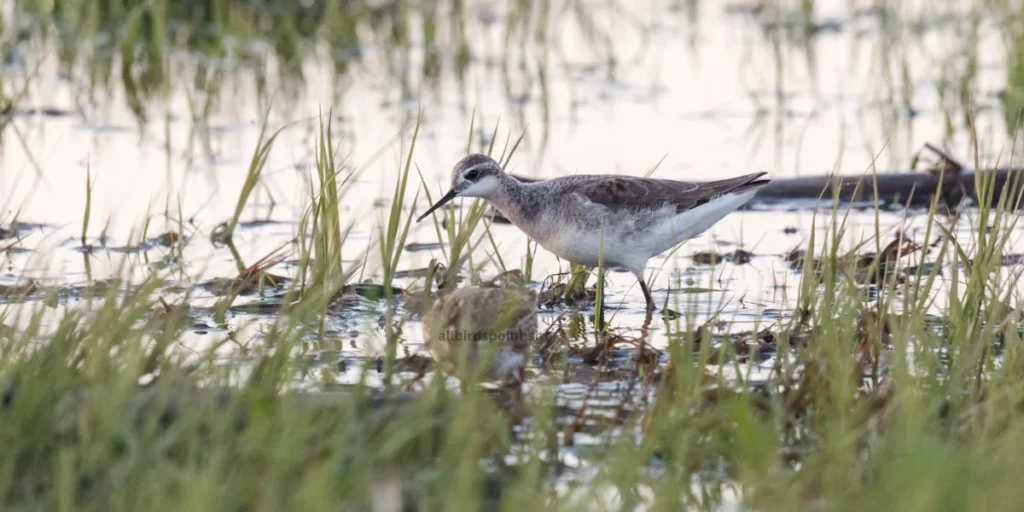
column 638, row 218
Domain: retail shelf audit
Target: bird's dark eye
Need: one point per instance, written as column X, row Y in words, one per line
column 473, row 175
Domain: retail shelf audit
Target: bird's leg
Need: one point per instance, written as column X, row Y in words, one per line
column 647, row 296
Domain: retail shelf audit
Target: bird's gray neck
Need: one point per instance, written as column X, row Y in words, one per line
column 515, row 202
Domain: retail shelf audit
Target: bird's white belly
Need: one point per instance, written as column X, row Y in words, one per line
column 584, row 246
column 573, row 245
column 624, row 243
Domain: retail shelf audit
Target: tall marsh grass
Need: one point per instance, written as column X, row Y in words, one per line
column 322, row 232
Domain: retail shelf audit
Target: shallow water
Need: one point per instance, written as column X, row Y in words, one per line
column 704, row 89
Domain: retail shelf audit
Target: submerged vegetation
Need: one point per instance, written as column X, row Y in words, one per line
column 889, row 377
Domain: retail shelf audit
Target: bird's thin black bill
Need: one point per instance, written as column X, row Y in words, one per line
column 441, row 202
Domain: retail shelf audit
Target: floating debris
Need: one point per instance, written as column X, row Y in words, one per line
column 417, row 273
column 167, row 239
column 414, row 247
column 948, row 181
column 707, row 258
column 741, row 257
column 9, row 110
column 350, row 294
column 248, row 224
column 263, row 306
column 371, row 291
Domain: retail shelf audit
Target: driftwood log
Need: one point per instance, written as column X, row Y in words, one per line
column 949, row 180
column 901, row 188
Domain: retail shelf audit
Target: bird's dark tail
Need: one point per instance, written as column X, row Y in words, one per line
column 747, row 183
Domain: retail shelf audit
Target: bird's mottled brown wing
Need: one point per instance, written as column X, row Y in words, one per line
column 636, row 193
